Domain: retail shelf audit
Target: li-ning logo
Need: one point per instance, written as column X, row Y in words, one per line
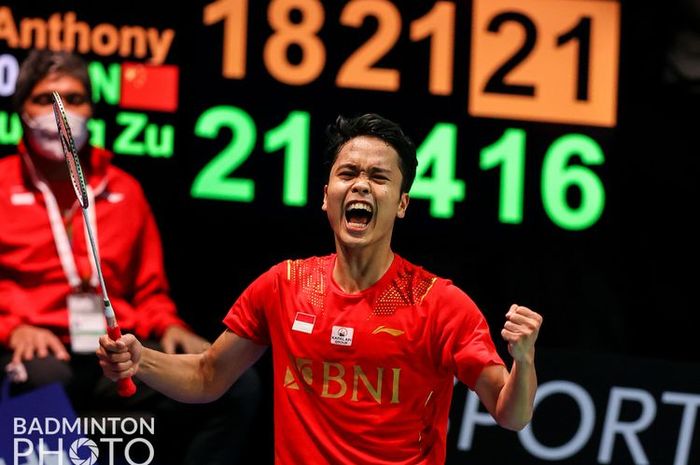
column 384, row 329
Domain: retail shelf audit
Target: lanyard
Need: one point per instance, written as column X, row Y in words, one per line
column 58, row 228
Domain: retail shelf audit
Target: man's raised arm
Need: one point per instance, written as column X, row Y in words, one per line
column 191, row 378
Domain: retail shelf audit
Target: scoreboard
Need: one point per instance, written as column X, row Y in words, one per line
column 219, row 108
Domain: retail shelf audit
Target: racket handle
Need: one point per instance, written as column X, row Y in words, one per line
column 125, row 386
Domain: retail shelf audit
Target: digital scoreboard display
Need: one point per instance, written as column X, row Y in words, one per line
column 220, row 111
column 554, row 170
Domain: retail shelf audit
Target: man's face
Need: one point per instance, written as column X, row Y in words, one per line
column 363, row 196
column 75, row 97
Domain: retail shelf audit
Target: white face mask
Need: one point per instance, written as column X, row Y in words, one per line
column 42, row 134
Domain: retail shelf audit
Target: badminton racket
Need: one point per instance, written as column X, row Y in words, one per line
column 126, row 386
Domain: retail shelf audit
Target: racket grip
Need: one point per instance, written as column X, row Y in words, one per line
column 125, row 386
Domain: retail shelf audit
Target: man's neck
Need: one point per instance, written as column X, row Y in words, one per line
column 357, row 269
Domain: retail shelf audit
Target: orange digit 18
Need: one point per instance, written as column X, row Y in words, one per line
column 302, row 34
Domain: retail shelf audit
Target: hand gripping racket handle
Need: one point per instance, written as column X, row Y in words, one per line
column 125, row 386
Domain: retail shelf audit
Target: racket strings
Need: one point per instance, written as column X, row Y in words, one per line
column 76, row 173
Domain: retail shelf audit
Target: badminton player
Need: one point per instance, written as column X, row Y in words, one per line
column 365, row 344
column 50, row 308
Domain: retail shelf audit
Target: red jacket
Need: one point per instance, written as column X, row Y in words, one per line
column 33, row 285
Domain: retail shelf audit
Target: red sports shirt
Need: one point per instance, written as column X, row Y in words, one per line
column 363, row 378
column 33, row 285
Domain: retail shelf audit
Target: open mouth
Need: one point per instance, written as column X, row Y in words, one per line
column 358, row 214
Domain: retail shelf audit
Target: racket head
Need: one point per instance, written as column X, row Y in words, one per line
column 69, row 151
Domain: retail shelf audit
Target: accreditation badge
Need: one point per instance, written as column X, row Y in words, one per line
column 86, row 322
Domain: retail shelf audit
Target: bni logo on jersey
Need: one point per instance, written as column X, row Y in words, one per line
column 342, row 335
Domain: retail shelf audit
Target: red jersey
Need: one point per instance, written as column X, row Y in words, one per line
column 33, row 285
column 363, row 378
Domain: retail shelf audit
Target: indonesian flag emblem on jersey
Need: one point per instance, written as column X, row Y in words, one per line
column 304, row 322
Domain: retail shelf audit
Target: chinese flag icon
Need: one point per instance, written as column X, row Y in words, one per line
column 149, row 87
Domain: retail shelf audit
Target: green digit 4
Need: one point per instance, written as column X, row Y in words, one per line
column 437, row 155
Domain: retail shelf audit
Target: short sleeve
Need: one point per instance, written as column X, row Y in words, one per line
column 248, row 317
column 462, row 336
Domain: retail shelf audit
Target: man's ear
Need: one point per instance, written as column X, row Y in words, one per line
column 324, row 205
column 403, row 205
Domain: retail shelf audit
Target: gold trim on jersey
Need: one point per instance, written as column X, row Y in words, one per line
column 309, row 277
column 432, row 282
column 406, row 290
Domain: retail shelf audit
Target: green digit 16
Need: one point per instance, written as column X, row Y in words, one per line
column 558, row 176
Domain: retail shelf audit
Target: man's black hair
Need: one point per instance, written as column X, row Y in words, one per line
column 373, row 125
